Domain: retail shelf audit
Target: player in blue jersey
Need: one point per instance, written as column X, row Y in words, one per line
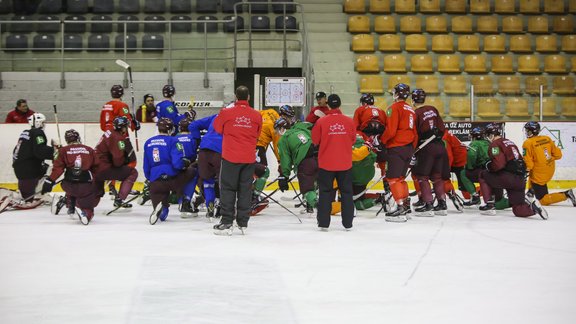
column 190, row 150
column 166, row 108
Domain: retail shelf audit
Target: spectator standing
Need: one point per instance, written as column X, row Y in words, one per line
column 20, row 113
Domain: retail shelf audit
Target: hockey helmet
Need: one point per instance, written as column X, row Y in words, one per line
column 532, row 128
column 36, row 120
column 117, row 91
column 190, row 114
column 183, row 124
column 418, row 96
column 168, row 91
column 72, row 136
column 476, row 133
column 165, row 125
column 367, row 99
column 374, row 127
column 120, row 122
column 401, row 91
column 287, row 111
column 493, row 129
column 281, row 125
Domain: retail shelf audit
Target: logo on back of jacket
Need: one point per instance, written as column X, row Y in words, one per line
column 337, row 129
column 243, row 121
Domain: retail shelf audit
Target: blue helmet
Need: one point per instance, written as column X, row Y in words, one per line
column 532, row 128
column 367, row 99
column 401, row 91
column 418, row 96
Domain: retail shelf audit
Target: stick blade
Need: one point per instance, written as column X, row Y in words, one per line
column 123, row 64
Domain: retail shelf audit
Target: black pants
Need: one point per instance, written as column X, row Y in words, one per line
column 327, row 192
column 236, row 192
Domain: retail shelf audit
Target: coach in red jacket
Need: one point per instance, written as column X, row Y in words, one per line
column 334, row 134
column 240, row 127
column 20, row 114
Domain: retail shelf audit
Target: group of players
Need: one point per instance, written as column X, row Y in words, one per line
column 182, row 163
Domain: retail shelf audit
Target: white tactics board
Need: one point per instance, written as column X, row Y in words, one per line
column 285, row 91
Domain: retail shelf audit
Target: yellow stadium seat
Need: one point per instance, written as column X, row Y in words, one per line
column 475, row 64
column 448, row 64
column 504, row 6
column 520, row 44
column 569, row 106
column 436, row 24
column 563, row 25
column 569, row 44
column 455, row 6
column 363, row 43
column 359, row 24
column 487, row 24
column 573, row 61
column 416, row 43
column 395, row 79
column 554, row 6
column 512, row 25
column 548, row 107
column 394, row 63
column 529, row 6
column 555, row 64
column 435, row 102
column 509, row 84
column 495, row 44
column 572, row 6
column 429, row 6
column 459, row 107
column 455, row 84
column 405, row 6
column 528, row 64
column 546, row 44
column 462, row 25
column 354, row 6
column 538, row 25
column 421, row 63
column 443, row 44
column 517, row 107
column 483, row 84
column 371, row 84
column 389, row 43
column 468, row 44
column 563, row 85
column 533, row 83
column 488, row 107
column 428, row 82
column 502, row 64
column 379, row 6
column 384, row 24
column 367, row 64
column 380, row 102
column 410, row 24
column 479, row 6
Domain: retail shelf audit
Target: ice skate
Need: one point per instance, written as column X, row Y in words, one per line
column 159, row 213
column 419, row 203
column 441, row 209
column 242, row 229
column 223, row 229
column 58, row 202
column 474, row 201
column 488, row 209
column 425, row 210
column 210, row 209
column 186, row 210
column 570, row 194
column 538, row 209
column 322, row 229
column 145, row 194
column 118, row 203
column 83, row 216
column 397, row 215
column 112, row 192
column 71, row 202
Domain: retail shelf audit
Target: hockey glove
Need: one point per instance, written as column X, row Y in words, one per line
column 135, row 122
column 56, row 144
column 185, row 163
column 47, row 186
column 282, row 183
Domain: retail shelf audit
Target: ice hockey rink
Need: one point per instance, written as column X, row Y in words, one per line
column 460, row 268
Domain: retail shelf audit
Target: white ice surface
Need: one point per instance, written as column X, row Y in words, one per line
column 460, row 268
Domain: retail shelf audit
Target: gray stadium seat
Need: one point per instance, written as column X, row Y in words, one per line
column 183, row 27
column 77, row 6
column 257, row 8
column 152, row 43
column 50, row 7
column 210, row 27
column 74, row 27
column 72, row 42
column 130, row 43
column 128, row 6
column 154, row 28
column 229, row 27
column 103, row 7
column 181, row 6
column 98, row 42
column 101, row 27
column 279, row 8
column 51, row 27
column 154, row 6
column 44, row 42
column 206, row 6
column 6, row 7
column 260, row 23
column 228, row 6
column 290, row 21
column 21, row 28
column 16, row 42
column 131, row 28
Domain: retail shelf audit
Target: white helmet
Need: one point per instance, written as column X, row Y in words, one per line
column 36, row 120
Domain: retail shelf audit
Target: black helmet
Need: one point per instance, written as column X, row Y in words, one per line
column 282, row 123
column 401, row 91
column 184, row 123
column 477, row 133
column 287, row 111
column 120, row 122
column 493, row 129
column 71, row 136
column 532, row 128
column 168, row 91
column 117, row 91
column 418, row 96
column 165, row 125
column 367, row 99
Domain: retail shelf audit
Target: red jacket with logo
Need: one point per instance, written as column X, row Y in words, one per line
column 335, row 134
column 240, row 127
column 111, row 110
column 400, row 126
column 312, row 118
column 16, row 116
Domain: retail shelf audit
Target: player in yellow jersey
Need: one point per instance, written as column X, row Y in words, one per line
column 540, row 154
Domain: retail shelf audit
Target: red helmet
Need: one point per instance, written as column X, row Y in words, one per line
column 117, row 91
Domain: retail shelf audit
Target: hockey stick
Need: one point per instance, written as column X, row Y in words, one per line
column 57, row 124
column 9, row 201
column 297, row 193
column 279, row 204
column 127, row 66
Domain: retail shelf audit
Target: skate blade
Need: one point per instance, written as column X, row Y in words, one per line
column 188, row 215
column 488, row 212
column 227, row 232
column 441, row 213
column 396, row 219
column 424, row 214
